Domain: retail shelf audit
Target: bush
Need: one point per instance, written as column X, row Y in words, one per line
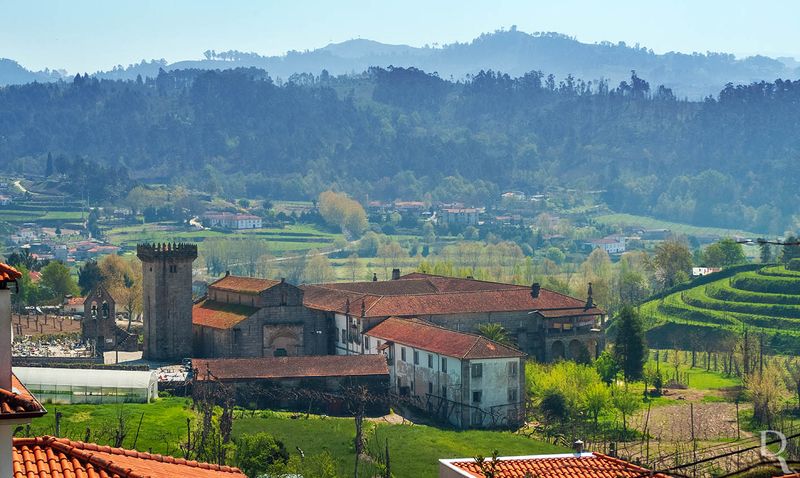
column 793, row 265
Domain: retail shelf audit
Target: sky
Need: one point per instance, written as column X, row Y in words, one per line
column 91, row 35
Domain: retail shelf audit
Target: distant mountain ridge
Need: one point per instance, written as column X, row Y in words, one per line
column 510, row 51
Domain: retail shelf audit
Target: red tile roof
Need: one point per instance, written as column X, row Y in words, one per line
column 76, row 300
column 422, row 294
column 291, row 367
column 585, row 465
column 50, row 457
column 426, row 336
column 8, row 273
column 245, row 285
column 19, row 402
column 220, row 315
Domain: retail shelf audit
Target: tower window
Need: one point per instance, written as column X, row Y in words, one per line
column 173, row 268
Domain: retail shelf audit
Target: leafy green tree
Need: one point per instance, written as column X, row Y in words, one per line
column 428, row 233
column 89, row 276
column 57, row 281
column 256, row 453
column 597, row 398
column 791, row 250
column 495, row 331
column 626, row 403
column 48, row 170
column 630, row 346
column 724, row 253
column 672, row 263
column 607, row 367
column 765, row 253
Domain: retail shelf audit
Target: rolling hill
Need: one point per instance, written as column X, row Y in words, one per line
column 715, row 308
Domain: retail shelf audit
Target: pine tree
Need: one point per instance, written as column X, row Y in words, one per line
column 630, row 347
column 48, row 171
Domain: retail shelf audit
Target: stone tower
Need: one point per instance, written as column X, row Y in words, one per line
column 167, row 300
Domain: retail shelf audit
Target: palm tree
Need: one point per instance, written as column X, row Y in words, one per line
column 496, row 332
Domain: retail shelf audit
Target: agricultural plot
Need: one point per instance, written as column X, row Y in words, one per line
column 765, row 301
column 675, row 227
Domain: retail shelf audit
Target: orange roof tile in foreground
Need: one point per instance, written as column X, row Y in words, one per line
column 572, row 465
column 58, row 457
column 244, row 285
column 8, row 273
column 19, row 402
column 426, row 336
column 220, row 315
column 291, row 367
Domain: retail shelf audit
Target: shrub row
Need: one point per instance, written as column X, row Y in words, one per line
column 722, row 290
column 772, row 285
column 698, row 298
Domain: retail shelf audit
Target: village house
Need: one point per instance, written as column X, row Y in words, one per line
column 229, row 220
column 465, row 379
column 249, row 317
column 5, row 200
column 704, row 271
column 73, row 305
column 614, row 244
column 544, row 324
column 464, row 216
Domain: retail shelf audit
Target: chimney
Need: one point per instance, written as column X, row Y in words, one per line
column 577, row 445
column 227, row 273
column 395, row 274
column 374, row 277
column 535, row 288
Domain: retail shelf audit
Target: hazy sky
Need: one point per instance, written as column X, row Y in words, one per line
column 87, row 35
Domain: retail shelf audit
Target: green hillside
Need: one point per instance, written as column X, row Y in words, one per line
column 710, row 311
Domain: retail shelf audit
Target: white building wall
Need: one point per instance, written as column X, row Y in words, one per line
column 494, row 384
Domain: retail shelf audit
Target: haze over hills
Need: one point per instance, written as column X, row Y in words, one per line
column 510, row 51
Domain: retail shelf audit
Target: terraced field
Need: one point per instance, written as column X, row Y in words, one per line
column 765, row 301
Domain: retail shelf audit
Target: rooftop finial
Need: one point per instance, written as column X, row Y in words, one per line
column 589, row 299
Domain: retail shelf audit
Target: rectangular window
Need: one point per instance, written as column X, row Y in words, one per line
column 416, row 357
column 430, row 388
column 444, row 391
column 430, row 361
column 403, row 354
column 476, row 396
column 344, row 336
column 366, row 342
column 477, row 417
column 444, row 365
column 237, row 336
column 390, row 354
column 477, row 370
column 512, row 369
column 512, row 395
column 173, row 268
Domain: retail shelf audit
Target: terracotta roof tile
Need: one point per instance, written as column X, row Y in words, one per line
column 422, row 294
column 220, row 315
column 291, row 367
column 8, row 273
column 586, row 465
column 245, row 285
column 426, row 336
column 19, row 402
column 46, row 457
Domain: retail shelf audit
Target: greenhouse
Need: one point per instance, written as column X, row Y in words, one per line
column 75, row 385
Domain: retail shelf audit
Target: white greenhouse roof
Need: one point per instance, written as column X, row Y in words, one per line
column 78, row 377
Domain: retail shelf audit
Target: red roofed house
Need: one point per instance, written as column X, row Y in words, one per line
column 544, row 324
column 465, row 379
column 573, row 465
column 48, row 457
column 250, row 317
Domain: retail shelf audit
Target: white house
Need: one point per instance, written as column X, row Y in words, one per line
column 610, row 244
column 466, row 379
column 467, row 216
column 234, row 221
column 5, row 200
column 704, row 271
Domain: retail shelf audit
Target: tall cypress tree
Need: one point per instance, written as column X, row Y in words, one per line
column 630, row 346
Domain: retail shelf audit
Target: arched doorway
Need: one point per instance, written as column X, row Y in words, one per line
column 557, row 351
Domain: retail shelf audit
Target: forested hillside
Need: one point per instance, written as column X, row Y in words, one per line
column 401, row 133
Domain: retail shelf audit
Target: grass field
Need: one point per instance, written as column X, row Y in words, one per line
column 20, row 216
column 281, row 240
column 414, row 449
column 766, row 301
column 679, row 228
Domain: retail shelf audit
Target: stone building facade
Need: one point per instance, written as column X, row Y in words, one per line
column 464, row 379
column 167, row 300
column 544, row 324
column 250, row 317
column 98, row 324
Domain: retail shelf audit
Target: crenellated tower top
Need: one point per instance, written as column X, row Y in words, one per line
column 165, row 251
